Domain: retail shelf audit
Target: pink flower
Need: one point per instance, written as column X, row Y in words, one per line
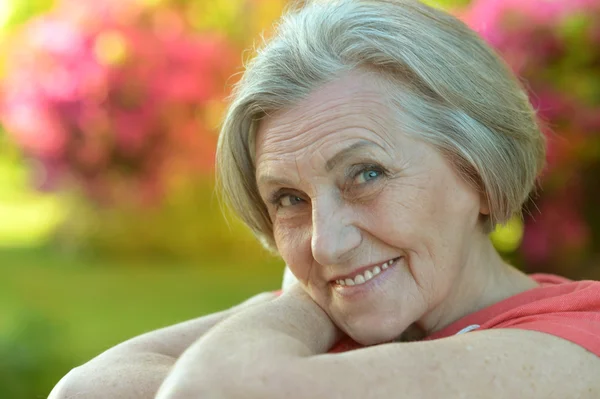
column 37, row 129
column 96, row 88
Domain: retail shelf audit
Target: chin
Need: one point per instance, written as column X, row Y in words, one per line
column 371, row 330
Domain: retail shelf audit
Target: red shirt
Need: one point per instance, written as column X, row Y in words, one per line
column 561, row 307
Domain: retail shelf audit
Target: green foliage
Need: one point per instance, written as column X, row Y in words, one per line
column 59, row 311
column 448, row 4
column 188, row 225
column 28, row 217
column 16, row 12
column 28, row 346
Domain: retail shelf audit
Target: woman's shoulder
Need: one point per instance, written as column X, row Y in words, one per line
column 558, row 306
column 554, row 295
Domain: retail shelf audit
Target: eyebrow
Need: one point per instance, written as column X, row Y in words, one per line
column 338, row 158
column 347, row 153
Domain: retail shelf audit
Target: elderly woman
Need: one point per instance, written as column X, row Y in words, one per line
column 374, row 145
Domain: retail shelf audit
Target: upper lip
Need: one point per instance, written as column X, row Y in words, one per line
column 361, row 270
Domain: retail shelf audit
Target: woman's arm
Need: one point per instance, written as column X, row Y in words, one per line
column 280, row 353
column 289, row 327
column 136, row 368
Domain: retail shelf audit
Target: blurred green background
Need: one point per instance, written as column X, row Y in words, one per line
column 109, row 113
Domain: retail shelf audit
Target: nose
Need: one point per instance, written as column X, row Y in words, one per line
column 335, row 235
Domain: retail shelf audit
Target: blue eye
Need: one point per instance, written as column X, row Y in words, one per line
column 367, row 175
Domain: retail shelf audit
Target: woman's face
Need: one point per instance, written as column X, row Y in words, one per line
column 375, row 225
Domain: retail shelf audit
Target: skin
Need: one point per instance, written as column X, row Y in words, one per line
column 332, row 221
column 280, row 352
column 387, row 196
column 135, row 369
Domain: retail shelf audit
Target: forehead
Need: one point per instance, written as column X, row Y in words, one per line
column 339, row 113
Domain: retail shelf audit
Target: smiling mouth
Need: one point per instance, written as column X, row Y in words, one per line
column 366, row 275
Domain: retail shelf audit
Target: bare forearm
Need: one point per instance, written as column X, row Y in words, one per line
column 248, row 349
column 135, row 368
column 130, row 376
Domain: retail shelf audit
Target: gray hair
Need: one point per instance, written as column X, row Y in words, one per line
column 447, row 86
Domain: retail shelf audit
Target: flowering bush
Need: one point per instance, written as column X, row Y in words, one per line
column 119, row 100
column 115, row 98
column 554, row 46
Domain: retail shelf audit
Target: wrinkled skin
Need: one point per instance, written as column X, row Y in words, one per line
column 389, row 196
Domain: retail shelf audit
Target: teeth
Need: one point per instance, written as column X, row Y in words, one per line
column 366, row 276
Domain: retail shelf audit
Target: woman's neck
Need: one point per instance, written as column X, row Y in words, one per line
column 484, row 280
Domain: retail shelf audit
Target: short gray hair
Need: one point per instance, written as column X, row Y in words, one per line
column 449, row 88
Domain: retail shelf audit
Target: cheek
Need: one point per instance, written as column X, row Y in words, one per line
column 293, row 244
column 423, row 210
column 412, row 219
column 403, row 214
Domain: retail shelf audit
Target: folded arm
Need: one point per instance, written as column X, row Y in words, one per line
column 280, row 352
column 135, row 369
